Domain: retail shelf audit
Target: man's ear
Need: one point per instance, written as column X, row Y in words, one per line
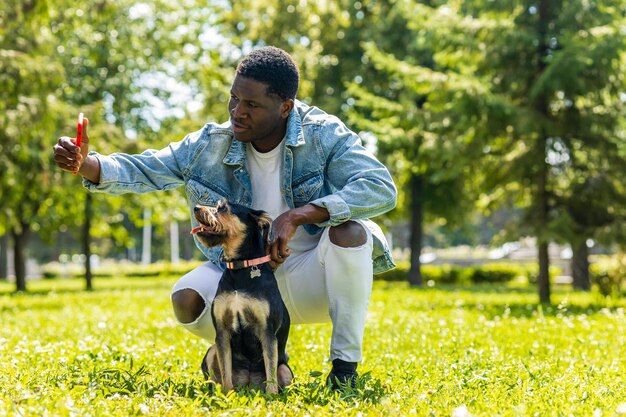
column 285, row 107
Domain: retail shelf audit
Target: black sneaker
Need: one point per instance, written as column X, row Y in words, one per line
column 342, row 376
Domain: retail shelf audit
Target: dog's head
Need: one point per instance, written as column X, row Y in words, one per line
column 243, row 232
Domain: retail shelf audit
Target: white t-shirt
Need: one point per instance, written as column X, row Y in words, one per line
column 265, row 172
column 264, row 169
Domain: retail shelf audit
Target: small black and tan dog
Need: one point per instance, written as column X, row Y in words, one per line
column 249, row 315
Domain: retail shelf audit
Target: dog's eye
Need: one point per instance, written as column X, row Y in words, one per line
column 222, row 209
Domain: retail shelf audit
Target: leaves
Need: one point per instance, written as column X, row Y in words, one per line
column 458, row 92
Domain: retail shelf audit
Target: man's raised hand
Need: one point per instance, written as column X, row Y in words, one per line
column 67, row 155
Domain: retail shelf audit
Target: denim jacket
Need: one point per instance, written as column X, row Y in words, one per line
column 324, row 164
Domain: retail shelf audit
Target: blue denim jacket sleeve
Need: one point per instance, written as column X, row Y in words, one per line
column 363, row 185
column 152, row 170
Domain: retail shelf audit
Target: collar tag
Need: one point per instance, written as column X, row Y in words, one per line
column 255, row 272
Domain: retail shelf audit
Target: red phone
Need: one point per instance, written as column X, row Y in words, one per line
column 79, row 130
column 79, row 133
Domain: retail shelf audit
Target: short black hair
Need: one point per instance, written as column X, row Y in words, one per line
column 275, row 68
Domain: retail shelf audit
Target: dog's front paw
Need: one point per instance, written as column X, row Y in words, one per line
column 227, row 387
column 271, row 388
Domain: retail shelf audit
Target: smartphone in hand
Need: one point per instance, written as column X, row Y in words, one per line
column 79, row 133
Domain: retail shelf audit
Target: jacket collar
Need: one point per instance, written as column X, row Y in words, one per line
column 236, row 154
column 295, row 136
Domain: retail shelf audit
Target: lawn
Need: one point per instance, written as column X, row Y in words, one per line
column 479, row 351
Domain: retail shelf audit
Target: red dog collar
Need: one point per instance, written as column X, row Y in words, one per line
column 248, row 262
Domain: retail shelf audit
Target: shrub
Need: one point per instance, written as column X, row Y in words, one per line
column 609, row 275
column 444, row 274
column 119, row 269
column 496, row 273
column 532, row 272
column 399, row 273
column 477, row 274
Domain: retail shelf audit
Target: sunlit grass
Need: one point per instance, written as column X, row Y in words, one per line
column 480, row 351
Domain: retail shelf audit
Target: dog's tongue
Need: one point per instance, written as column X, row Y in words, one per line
column 196, row 229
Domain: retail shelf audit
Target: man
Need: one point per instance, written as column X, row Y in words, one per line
column 299, row 164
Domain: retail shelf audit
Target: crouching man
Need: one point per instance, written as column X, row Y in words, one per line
column 302, row 166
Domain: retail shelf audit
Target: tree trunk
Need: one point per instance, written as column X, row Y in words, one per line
column 543, row 281
column 4, row 262
column 416, row 184
column 19, row 257
column 541, row 227
column 87, row 243
column 580, row 266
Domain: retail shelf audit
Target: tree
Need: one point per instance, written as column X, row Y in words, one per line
column 330, row 57
column 594, row 207
column 428, row 114
column 519, row 81
column 338, row 56
column 28, row 117
column 128, row 64
column 561, row 65
column 325, row 39
column 57, row 58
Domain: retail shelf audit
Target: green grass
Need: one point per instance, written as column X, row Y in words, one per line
column 438, row 352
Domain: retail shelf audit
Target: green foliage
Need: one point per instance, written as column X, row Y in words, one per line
column 453, row 274
column 435, row 273
column 121, row 269
column 445, row 274
column 496, row 273
column 506, row 103
column 609, row 275
column 396, row 274
column 29, row 115
column 474, row 98
column 122, row 64
column 121, row 61
column 532, row 273
column 118, row 352
column 324, row 38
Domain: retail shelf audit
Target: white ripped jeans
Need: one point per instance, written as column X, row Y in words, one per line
column 324, row 283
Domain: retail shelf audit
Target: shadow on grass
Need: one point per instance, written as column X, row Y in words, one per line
column 521, row 310
column 484, row 299
column 78, row 286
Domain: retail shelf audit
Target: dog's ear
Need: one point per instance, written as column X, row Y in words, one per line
column 222, row 203
column 265, row 224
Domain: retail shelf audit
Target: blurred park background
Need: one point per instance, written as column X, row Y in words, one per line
column 503, row 123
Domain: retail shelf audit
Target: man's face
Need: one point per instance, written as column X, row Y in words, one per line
column 257, row 117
